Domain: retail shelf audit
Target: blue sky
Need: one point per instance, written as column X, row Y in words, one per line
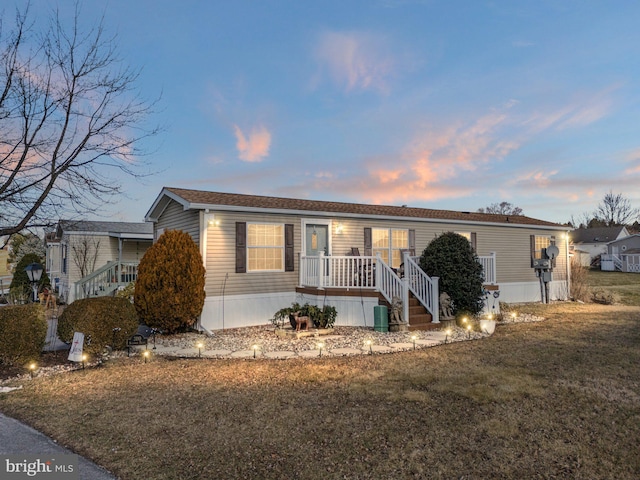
column 437, row 104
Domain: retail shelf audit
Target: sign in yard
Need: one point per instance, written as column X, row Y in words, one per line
column 75, row 353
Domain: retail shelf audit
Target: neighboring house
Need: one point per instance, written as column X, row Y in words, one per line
column 95, row 258
column 623, row 254
column 588, row 244
column 53, row 259
column 5, row 273
column 263, row 253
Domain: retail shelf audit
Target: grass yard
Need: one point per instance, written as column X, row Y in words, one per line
column 553, row 399
column 625, row 285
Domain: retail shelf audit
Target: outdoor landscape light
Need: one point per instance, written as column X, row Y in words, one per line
column 464, row 319
column 145, row 354
column 369, row 342
column 199, row 345
column 513, row 315
column 413, row 337
column 34, row 272
column 447, row 334
column 84, row 359
column 255, row 347
column 469, row 330
column 32, row 369
column 320, row 345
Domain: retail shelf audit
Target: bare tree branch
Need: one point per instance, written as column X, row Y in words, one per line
column 70, row 122
column 502, row 208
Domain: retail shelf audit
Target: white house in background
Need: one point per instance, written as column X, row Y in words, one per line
column 263, row 253
column 94, row 258
column 587, row 244
column 53, row 259
column 623, row 255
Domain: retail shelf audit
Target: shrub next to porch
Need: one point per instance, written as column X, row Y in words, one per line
column 169, row 292
column 451, row 257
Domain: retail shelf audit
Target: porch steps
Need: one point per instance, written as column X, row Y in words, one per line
column 419, row 317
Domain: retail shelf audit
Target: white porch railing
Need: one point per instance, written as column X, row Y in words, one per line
column 488, row 263
column 423, row 287
column 631, row 263
column 106, row 280
column 371, row 273
column 610, row 263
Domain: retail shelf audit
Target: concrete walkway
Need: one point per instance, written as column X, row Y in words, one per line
column 20, row 439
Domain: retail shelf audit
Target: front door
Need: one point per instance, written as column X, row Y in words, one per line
column 317, row 240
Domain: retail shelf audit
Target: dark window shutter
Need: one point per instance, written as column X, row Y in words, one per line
column 241, row 247
column 474, row 242
column 412, row 243
column 368, row 242
column 533, row 248
column 288, row 248
column 553, row 242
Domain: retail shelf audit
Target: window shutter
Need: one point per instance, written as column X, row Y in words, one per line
column 553, row 242
column 412, row 243
column 368, row 242
column 473, row 242
column 533, row 248
column 288, row 248
column 241, row 247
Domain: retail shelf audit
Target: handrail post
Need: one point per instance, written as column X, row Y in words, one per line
column 321, row 270
column 435, row 301
column 405, row 288
column 300, row 269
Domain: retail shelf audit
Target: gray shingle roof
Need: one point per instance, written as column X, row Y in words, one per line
column 595, row 235
column 278, row 203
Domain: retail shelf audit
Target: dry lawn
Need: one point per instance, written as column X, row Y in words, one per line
column 554, row 399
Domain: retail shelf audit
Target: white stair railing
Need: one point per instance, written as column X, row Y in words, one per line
column 423, row 287
column 391, row 285
column 106, row 279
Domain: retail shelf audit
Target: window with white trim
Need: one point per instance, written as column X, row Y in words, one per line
column 541, row 241
column 265, row 247
column 390, row 243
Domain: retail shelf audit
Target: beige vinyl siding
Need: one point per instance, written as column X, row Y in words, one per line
column 221, row 261
column 174, row 217
column 511, row 245
column 132, row 250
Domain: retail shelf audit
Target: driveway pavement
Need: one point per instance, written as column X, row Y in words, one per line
column 18, row 438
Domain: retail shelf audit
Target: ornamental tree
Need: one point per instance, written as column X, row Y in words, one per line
column 169, row 292
column 451, row 257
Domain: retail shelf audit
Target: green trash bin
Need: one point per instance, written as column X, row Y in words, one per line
column 380, row 318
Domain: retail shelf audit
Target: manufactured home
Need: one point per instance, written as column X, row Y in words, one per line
column 623, row 254
column 263, row 253
column 94, row 258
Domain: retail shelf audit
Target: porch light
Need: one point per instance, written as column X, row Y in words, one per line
column 339, row 228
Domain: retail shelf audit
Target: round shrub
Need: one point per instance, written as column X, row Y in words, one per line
column 169, row 292
column 97, row 318
column 451, row 257
column 23, row 332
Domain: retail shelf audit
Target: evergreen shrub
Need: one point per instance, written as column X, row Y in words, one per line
column 97, row 318
column 23, row 332
column 451, row 257
column 169, row 292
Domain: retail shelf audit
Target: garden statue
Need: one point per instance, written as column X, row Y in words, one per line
column 446, row 306
column 396, row 322
column 301, row 321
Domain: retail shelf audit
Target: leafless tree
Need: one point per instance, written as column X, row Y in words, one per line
column 502, row 208
column 70, row 118
column 615, row 209
column 85, row 254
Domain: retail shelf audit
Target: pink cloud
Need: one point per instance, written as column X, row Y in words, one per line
column 355, row 60
column 254, row 147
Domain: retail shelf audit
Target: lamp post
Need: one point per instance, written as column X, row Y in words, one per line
column 34, row 272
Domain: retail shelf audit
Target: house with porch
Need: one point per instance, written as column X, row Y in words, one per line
column 587, row 244
column 263, row 253
column 95, row 258
column 622, row 255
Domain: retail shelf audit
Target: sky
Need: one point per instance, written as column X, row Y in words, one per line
column 439, row 104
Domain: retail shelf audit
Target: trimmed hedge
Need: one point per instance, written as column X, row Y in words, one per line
column 169, row 292
column 96, row 318
column 23, row 333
